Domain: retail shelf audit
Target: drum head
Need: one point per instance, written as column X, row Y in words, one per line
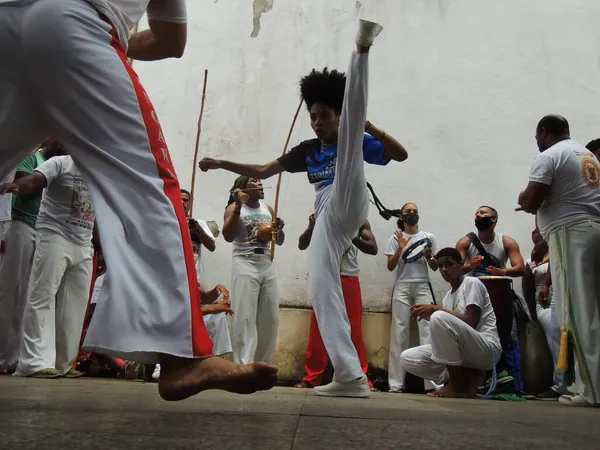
column 415, row 251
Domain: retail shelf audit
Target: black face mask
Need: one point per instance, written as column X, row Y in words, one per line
column 410, row 219
column 483, row 223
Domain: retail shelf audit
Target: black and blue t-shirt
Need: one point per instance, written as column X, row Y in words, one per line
column 319, row 161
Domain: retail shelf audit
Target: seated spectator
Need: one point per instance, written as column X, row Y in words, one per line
column 464, row 340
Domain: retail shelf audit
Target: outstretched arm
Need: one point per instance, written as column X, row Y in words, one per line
column 392, row 148
column 259, row 171
column 33, row 183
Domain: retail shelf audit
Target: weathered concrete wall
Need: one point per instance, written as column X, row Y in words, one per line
column 461, row 83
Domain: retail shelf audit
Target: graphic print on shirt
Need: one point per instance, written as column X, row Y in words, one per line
column 251, row 224
column 82, row 210
column 590, row 170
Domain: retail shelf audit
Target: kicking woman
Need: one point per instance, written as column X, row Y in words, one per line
column 338, row 111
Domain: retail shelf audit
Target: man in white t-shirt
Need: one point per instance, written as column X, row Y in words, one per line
column 93, row 102
column 564, row 193
column 464, row 340
column 412, row 287
column 61, row 272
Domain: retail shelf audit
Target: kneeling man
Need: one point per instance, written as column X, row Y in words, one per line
column 464, row 339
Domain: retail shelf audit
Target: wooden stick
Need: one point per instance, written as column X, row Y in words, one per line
column 197, row 143
column 276, row 206
column 256, row 189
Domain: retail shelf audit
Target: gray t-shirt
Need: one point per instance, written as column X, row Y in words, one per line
column 66, row 206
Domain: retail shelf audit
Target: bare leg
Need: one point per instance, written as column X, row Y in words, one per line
column 181, row 378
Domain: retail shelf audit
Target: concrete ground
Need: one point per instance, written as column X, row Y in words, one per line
column 103, row 414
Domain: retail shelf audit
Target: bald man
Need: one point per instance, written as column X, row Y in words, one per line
column 564, row 193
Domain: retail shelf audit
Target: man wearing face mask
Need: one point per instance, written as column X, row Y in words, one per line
column 412, row 287
column 500, row 249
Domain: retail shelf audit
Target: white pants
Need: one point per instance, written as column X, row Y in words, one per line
column 453, row 343
column 58, row 297
column 341, row 209
column 405, row 295
column 14, row 281
column 217, row 327
column 575, row 265
column 4, row 230
column 89, row 97
column 547, row 319
column 255, row 306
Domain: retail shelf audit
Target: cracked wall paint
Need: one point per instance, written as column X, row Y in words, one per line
column 259, row 7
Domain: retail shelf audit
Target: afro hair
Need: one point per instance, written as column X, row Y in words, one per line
column 325, row 87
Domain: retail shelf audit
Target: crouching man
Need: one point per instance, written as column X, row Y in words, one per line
column 464, row 339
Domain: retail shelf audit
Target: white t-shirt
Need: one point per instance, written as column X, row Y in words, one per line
column 473, row 292
column 246, row 241
column 573, row 174
column 6, row 199
column 417, row 271
column 125, row 14
column 199, row 258
column 66, row 206
column 97, row 288
column 349, row 265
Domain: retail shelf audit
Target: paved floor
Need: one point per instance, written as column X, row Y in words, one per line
column 105, row 414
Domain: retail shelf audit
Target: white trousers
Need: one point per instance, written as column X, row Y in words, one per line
column 58, row 297
column 217, row 327
column 453, row 343
column 405, row 295
column 547, row 319
column 575, row 264
column 4, row 230
column 14, row 281
column 255, row 306
column 341, row 210
column 90, row 98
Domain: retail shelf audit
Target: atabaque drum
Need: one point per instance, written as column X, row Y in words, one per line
column 500, row 290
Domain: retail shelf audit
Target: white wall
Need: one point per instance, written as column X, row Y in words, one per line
column 461, row 83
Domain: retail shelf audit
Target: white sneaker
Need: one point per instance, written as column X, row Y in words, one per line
column 367, row 32
column 574, row 400
column 396, row 390
column 156, row 373
column 356, row 388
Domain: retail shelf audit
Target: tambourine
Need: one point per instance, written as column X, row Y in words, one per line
column 415, row 251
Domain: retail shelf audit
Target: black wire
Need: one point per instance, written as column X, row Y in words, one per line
column 387, row 214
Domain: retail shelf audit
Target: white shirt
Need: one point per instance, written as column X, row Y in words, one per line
column 473, row 292
column 496, row 248
column 125, row 14
column 573, row 174
column 66, row 206
column 417, row 271
column 246, row 241
column 198, row 257
column 6, row 199
column 349, row 265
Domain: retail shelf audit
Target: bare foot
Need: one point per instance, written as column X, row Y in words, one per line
column 304, row 385
column 181, row 378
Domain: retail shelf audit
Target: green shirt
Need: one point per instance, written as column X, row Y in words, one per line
column 26, row 207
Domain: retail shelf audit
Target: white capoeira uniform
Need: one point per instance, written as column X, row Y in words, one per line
column 412, row 287
column 201, row 255
column 91, row 100
column 453, row 341
column 341, row 208
column 569, row 220
column 547, row 319
column 14, row 277
column 61, row 273
column 254, row 290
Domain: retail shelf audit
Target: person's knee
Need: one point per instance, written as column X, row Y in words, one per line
column 439, row 321
column 409, row 358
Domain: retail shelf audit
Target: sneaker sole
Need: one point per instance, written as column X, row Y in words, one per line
column 366, row 394
column 46, row 377
column 72, row 376
column 546, row 399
